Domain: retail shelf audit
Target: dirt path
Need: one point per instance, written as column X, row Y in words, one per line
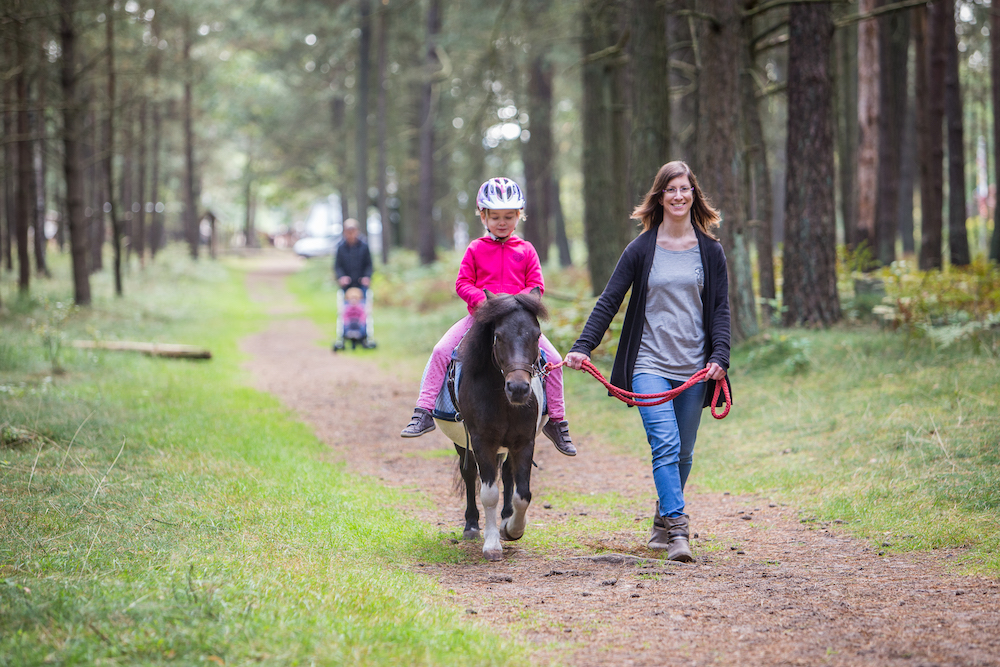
column 779, row 592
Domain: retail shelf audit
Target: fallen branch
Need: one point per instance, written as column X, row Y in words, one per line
column 172, row 350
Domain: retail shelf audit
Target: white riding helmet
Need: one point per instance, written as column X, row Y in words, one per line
column 499, row 193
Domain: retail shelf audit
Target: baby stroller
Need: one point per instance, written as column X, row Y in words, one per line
column 354, row 319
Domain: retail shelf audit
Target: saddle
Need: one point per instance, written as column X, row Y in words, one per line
column 446, row 406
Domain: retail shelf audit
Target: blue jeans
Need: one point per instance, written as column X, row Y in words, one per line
column 671, row 429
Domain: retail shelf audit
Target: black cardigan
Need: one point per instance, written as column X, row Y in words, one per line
column 632, row 272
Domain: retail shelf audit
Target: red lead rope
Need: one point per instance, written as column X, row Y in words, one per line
column 649, row 400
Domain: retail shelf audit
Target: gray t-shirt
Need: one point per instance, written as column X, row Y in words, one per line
column 673, row 335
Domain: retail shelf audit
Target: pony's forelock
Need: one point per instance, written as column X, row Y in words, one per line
column 477, row 348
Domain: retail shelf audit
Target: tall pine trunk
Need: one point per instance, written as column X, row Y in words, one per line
column 649, row 143
column 995, row 72
column 908, row 173
column 958, row 236
column 684, row 59
column 559, row 224
column 190, row 205
column 606, row 225
column 810, row 276
column 109, row 150
column 9, row 168
column 361, row 124
column 25, row 206
column 723, row 44
column 932, row 146
column 846, row 46
column 41, row 170
column 138, row 239
column 78, row 231
column 380, row 129
column 893, row 46
column 868, row 113
column 156, row 216
column 538, row 153
column 338, row 110
column 425, row 206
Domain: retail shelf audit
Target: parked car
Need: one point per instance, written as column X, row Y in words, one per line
column 316, row 246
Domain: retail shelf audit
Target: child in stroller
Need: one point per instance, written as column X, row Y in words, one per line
column 353, row 319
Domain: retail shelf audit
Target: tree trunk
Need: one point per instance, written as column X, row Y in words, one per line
column 958, row 236
column 41, row 171
column 190, row 205
column 9, row 167
column 760, row 209
column 683, row 55
column 810, row 274
column 98, row 189
column 606, row 225
column 109, row 150
column 138, row 239
column 846, row 40
column 723, row 45
column 868, row 113
column 250, row 201
column 78, row 232
column 995, row 72
column 559, row 222
column 649, row 143
column 25, row 205
column 156, row 216
column 908, row 174
column 361, row 129
column 425, row 207
column 338, row 109
column 127, row 198
column 383, row 207
column 893, row 47
column 932, row 146
column 538, row 154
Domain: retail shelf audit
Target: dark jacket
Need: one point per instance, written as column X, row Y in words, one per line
column 353, row 261
column 632, row 272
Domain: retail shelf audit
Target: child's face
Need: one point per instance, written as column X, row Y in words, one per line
column 501, row 222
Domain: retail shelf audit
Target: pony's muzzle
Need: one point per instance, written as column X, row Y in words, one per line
column 518, row 390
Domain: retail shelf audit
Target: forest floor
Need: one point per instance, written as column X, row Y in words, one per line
column 767, row 588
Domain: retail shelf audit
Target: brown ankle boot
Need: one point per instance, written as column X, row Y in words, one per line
column 658, row 538
column 678, row 547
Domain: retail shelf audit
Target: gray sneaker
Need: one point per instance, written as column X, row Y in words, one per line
column 558, row 433
column 421, row 422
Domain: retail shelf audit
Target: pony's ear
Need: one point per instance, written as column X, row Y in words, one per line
column 489, row 294
column 536, row 292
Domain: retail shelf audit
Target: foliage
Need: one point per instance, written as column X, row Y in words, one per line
column 779, row 350
column 50, row 329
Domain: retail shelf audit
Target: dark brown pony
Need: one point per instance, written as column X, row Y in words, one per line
column 500, row 399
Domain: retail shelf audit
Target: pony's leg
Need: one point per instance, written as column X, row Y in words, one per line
column 507, row 476
column 513, row 527
column 468, row 469
column 489, row 495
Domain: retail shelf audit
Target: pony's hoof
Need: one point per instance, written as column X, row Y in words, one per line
column 508, row 537
column 493, row 555
column 470, row 534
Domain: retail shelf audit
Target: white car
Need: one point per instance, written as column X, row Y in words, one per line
column 316, row 246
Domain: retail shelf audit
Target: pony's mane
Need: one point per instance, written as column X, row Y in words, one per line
column 477, row 349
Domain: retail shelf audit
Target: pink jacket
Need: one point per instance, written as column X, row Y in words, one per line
column 503, row 267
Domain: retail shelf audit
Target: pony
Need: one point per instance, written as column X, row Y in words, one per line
column 500, row 398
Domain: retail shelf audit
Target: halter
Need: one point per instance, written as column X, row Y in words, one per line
column 534, row 370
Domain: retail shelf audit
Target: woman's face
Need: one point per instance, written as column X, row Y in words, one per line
column 501, row 222
column 678, row 197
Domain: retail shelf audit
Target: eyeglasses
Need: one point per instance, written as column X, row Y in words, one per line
column 672, row 191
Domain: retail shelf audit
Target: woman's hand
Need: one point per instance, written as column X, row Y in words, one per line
column 715, row 371
column 576, row 359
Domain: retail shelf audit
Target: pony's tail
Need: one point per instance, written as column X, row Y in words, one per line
column 458, row 481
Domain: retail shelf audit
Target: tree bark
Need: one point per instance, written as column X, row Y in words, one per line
column 932, row 144
column 156, row 216
column 381, row 103
column 361, row 129
column 138, row 239
column 98, row 190
column 868, row 113
column 649, row 142
column 250, row 202
column 538, row 153
column 908, row 173
column 126, row 199
column 810, row 277
column 606, row 225
column 338, row 109
column 78, row 232
column 995, row 75
column 41, row 170
column 25, row 207
column 958, row 236
column 559, row 222
column 425, row 208
column 723, row 44
column 846, row 40
column 109, row 150
column 893, row 47
column 9, row 168
column 684, row 59
column 760, row 209
column 190, row 205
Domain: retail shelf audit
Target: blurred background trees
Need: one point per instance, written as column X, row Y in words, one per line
column 131, row 124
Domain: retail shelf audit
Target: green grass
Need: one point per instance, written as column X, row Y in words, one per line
column 160, row 511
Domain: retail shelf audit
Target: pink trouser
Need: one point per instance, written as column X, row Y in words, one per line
column 437, row 365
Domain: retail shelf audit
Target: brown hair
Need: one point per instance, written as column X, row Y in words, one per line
column 650, row 211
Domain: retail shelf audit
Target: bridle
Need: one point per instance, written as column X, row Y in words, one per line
column 534, row 370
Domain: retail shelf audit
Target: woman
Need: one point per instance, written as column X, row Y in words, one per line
column 677, row 322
